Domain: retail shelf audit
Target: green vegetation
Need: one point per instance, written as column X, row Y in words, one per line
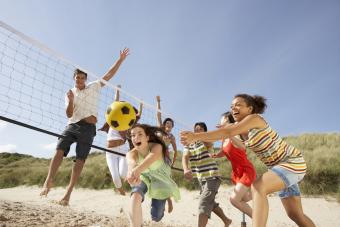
column 321, row 151
column 322, row 154
column 18, row 169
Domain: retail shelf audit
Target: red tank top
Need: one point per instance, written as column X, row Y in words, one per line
column 243, row 170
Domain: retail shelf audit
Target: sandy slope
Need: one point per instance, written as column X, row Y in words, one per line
column 21, row 206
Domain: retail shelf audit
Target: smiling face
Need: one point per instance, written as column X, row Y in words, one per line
column 80, row 79
column 139, row 138
column 240, row 109
column 198, row 128
column 168, row 126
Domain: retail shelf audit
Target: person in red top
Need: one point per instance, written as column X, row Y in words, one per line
column 243, row 172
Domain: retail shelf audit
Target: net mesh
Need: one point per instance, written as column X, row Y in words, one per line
column 34, row 81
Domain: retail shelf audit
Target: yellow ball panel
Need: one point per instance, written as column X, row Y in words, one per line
column 120, row 115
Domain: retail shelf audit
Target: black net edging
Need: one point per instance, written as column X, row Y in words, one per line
column 61, row 136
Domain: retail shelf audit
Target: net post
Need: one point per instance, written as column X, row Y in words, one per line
column 243, row 223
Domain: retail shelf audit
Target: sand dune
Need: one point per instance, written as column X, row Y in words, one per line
column 22, row 206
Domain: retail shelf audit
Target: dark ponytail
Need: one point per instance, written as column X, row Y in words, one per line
column 257, row 102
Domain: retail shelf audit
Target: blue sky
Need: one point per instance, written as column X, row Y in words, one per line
column 196, row 54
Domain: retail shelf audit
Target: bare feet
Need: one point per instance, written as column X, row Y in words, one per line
column 62, row 202
column 227, row 222
column 46, row 188
column 170, row 207
column 120, row 191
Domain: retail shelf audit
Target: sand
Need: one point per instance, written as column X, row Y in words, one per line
column 22, row 206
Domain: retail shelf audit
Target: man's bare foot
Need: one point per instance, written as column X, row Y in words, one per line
column 227, row 222
column 62, row 202
column 170, row 207
column 46, row 189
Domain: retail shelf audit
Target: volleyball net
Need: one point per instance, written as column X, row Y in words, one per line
column 34, row 80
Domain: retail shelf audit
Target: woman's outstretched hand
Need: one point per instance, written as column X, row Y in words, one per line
column 187, row 137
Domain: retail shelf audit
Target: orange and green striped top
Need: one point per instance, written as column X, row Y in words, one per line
column 273, row 150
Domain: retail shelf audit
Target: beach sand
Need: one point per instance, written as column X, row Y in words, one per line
column 22, row 206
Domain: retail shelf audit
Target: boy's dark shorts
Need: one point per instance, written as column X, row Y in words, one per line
column 82, row 133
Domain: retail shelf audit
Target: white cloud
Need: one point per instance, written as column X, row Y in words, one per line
column 9, row 148
column 50, row 146
column 3, row 125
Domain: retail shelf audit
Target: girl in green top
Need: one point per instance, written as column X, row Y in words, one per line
column 149, row 173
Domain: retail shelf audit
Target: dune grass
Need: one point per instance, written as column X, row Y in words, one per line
column 321, row 151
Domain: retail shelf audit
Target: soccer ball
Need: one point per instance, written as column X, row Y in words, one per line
column 120, row 115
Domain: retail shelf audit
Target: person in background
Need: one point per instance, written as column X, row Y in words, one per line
column 205, row 169
column 118, row 141
column 243, row 172
column 167, row 125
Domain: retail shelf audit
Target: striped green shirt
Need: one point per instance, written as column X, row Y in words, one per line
column 202, row 165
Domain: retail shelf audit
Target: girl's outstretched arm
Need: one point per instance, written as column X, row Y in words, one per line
column 249, row 122
column 154, row 155
column 131, row 158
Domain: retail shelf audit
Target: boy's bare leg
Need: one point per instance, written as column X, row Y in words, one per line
column 219, row 212
column 76, row 171
column 54, row 165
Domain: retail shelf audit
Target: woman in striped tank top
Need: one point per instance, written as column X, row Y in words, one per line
column 286, row 164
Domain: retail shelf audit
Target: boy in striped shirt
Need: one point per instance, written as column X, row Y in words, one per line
column 205, row 169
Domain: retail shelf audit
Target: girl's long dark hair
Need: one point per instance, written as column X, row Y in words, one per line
column 155, row 135
column 229, row 116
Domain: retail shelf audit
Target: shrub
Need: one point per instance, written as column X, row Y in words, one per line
column 321, row 152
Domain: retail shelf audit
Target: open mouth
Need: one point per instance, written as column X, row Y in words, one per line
column 139, row 143
column 235, row 115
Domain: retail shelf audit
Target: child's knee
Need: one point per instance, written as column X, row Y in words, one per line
column 137, row 197
column 233, row 200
